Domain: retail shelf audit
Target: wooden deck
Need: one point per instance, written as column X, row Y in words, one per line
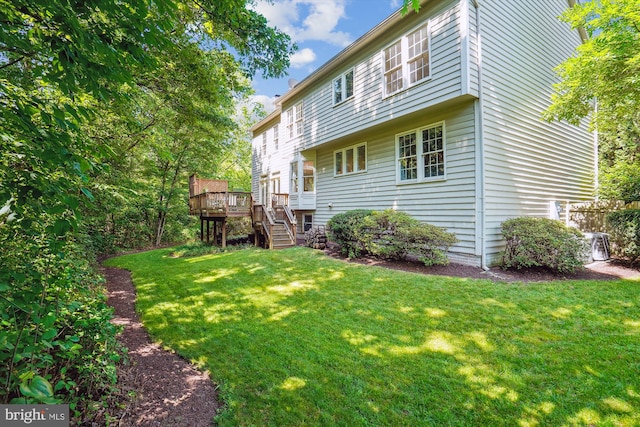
column 221, row 204
column 209, row 199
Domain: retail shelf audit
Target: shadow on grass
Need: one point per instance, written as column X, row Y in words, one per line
column 296, row 338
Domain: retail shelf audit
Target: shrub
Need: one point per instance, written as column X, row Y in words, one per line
column 342, row 230
column 543, row 242
column 625, row 233
column 395, row 235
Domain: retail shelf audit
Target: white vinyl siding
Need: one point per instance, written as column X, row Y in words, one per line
column 528, row 162
column 326, row 121
column 449, row 204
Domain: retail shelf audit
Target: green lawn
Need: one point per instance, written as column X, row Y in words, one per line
column 296, row 338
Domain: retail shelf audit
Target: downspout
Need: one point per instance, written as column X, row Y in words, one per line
column 479, row 136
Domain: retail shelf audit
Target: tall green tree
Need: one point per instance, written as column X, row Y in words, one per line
column 602, row 81
column 64, row 65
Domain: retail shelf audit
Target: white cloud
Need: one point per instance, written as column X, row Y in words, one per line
column 302, row 57
column 307, row 20
column 266, row 101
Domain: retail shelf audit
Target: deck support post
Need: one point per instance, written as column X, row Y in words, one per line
column 201, row 229
column 207, row 230
column 224, row 232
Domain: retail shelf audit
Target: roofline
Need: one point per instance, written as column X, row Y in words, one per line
column 354, row 47
column 275, row 114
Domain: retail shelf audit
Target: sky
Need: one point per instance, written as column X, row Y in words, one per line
column 321, row 29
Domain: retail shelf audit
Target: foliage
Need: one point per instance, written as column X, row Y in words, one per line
column 56, row 341
column 342, row 229
column 295, row 335
column 606, row 65
column 104, row 105
column 625, row 233
column 542, row 242
column 394, row 234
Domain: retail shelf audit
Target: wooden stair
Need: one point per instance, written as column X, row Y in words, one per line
column 280, row 238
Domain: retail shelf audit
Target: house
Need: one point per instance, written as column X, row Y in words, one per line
column 438, row 114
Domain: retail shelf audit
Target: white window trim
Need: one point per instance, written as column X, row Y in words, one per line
column 264, row 143
column 295, row 121
column 343, row 79
column 276, row 138
column 419, row 153
column 355, row 159
column 405, row 60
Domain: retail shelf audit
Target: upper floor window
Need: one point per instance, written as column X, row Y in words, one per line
column 343, row 87
column 275, row 137
column 264, row 143
column 421, row 154
column 407, row 61
column 350, row 159
column 295, row 121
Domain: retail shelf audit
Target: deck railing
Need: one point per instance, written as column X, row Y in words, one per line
column 228, row 203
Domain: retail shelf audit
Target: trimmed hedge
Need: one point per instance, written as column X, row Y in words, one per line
column 543, row 242
column 390, row 234
column 625, row 233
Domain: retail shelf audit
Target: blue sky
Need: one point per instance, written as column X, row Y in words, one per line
column 321, row 29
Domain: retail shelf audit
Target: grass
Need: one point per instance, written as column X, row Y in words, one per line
column 296, row 338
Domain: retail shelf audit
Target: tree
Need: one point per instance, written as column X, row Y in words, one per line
column 603, row 81
column 605, row 68
column 63, row 66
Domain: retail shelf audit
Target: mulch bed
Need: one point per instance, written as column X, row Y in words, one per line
column 159, row 388
column 162, row 389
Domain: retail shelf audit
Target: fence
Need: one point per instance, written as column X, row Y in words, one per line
column 591, row 217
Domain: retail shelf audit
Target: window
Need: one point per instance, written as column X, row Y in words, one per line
column 308, row 174
column 421, row 154
column 406, row 62
column 350, row 159
column 343, row 87
column 264, row 143
column 294, row 121
column 275, row 137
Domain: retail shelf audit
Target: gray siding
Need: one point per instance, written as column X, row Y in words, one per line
column 325, row 122
column 528, row 162
column 449, row 204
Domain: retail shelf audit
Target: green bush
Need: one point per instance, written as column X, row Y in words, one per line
column 342, row 230
column 57, row 344
column 395, row 235
column 543, row 242
column 625, row 233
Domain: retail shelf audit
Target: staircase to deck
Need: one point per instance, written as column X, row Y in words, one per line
column 274, row 226
column 280, row 237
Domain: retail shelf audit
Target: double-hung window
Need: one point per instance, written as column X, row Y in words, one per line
column 343, row 87
column 275, row 138
column 421, row 154
column 407, row 61
column 350, row 160
column 295, row 124
column 264, row 143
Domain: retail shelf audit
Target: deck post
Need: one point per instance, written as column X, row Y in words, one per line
column 201, row 229
column 207, row 230
column 224, row 232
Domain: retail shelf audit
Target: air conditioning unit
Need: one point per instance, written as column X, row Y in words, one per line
column 599, row 246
